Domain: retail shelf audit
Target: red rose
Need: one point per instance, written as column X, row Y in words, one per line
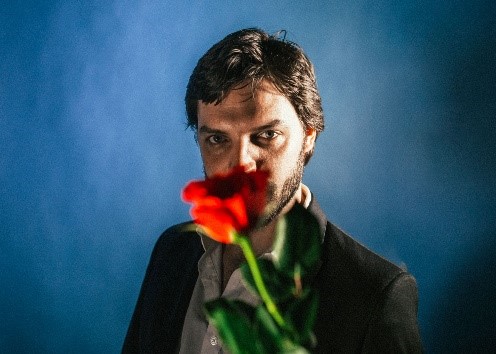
column 227, row 203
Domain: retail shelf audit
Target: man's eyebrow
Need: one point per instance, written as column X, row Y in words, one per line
column 269, row 125
column 206, row 129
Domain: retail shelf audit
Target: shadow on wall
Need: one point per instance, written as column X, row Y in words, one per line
column 465, row 321
column 467, row 125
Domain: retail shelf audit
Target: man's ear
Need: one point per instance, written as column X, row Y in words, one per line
column 309, row 139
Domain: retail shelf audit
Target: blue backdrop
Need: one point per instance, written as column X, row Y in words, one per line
column 94, row 152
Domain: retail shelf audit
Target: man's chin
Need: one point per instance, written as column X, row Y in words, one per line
column 276, row 207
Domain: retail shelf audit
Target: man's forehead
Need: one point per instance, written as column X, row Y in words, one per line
column 248, row 109
column 245, row 101
column 246, row 91
column 232, row 105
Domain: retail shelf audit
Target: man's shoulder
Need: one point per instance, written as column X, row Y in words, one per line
column 182, row 233
column 169, row 280
column 348, row 263
column 352, row 257
column 180, row 241
column 359, row 291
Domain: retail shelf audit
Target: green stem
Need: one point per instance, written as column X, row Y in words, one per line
column 245, row 245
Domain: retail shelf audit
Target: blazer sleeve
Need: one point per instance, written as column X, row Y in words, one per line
column 165, row 293
column 131, row 341
column 394, row 328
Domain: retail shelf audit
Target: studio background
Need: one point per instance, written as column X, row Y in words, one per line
column 94, row 152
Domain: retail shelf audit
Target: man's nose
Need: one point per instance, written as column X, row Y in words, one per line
column 245, row 156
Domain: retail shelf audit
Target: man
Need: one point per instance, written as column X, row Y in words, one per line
column 252, row 101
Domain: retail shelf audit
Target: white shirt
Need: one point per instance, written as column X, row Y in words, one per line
column 198, row 336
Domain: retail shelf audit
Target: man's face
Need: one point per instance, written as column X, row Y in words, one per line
column 260, row 131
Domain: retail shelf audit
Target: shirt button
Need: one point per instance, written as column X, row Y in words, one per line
column 214, row 341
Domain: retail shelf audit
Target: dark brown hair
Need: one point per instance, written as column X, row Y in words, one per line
column 249, row 56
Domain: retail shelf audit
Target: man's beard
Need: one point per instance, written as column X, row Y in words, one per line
column 291, row 184
column 275, row 202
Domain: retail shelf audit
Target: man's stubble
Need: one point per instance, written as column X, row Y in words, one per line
column 276, row 203
column 287, row 192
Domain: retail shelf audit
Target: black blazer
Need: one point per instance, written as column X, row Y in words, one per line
column 367, row 304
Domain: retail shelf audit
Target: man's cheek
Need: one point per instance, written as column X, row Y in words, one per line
column 215, row 167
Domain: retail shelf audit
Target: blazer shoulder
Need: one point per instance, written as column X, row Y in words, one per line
column 177, row 248
column 178, row 236
column 360, row 290
column 351, row 257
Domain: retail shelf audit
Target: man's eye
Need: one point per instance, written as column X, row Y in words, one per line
column 268, row 134
column 216, row 139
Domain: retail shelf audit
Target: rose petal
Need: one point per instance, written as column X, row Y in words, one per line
column 227, row 203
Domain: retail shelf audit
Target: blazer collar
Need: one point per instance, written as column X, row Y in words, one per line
column 316, row 210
